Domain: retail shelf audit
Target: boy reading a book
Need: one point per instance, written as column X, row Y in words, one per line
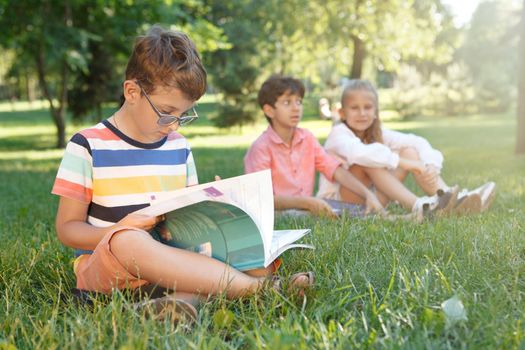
column 293, row 154
column 127, row 162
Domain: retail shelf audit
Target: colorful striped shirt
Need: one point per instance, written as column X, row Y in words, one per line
column 118, row 175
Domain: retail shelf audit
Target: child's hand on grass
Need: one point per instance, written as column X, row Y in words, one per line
column 319, row 207
column 373, row 205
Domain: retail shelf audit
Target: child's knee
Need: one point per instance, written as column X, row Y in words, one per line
column 127, row 240
column 409, row 153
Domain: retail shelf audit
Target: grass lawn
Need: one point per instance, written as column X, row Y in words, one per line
column 379, row 284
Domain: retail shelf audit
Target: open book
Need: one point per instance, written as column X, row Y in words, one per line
column 230, row 220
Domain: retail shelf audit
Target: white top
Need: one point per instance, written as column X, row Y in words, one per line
column 343, row 142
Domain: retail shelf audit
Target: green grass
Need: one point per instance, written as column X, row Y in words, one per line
column 379, row 284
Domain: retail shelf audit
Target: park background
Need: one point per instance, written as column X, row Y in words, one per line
column 380, row 284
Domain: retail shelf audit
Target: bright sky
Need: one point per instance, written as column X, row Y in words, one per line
column 462, row 9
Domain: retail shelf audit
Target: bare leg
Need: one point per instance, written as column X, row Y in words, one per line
column 361, row 174
column 192, row 298
column 392, row 188
column 400, row 174
column 349, row 196
column 179, row 269
column 388, row 185
column 429, row 188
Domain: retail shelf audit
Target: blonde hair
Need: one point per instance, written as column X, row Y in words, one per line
column 373, row 133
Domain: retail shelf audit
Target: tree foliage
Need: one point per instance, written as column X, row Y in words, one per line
column 42, row 34
column 520, row 143
column 79, row 47
column 320, row 42
column 490, row 52
column 236, row 68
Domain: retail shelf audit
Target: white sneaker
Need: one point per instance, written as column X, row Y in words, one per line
column 423, row 205
column 441, row 203
column 476, row 201
column 487, row 193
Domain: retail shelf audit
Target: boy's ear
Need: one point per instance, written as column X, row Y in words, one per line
column 131, row 91
column 268, row 110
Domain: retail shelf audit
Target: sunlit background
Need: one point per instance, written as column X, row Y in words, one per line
column 434, row 58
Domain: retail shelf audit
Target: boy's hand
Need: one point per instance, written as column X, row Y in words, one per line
column 217, row 178
column 373, row 205
column 143, row 222
column 319, row 207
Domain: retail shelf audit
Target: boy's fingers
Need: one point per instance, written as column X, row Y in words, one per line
column 217, row 178
column 330, row 213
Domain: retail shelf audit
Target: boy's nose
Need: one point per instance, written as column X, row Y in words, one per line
column 297, row 106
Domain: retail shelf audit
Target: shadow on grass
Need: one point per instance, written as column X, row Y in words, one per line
column 28, row 142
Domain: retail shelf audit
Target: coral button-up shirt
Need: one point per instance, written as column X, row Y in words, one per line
column 293, row 167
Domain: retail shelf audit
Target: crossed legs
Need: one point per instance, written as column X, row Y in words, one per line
column 190, row 274
column 387, row 184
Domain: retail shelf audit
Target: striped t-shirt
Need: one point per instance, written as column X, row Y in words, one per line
column 118, row 175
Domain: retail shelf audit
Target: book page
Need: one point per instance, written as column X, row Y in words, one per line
column 282, row 240
column 251, row 192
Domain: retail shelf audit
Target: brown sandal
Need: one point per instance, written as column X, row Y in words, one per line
column 293, row 288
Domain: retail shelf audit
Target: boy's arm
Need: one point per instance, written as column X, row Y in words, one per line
column 314, row 205
column 74, row 231
column 346, row 179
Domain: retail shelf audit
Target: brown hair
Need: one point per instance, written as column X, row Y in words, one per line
column 373, row 133
column 276, row 86
column 167, row 58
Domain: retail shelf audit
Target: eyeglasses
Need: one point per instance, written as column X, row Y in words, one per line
column 168, row 119
column 289, row 103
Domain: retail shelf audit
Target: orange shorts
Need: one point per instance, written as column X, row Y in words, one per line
column 276, row 264
column 101, row 271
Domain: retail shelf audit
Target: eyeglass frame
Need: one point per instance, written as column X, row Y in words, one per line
column 182, row 120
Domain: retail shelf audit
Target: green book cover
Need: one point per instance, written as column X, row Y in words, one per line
column 230, row 220
column 218, row 230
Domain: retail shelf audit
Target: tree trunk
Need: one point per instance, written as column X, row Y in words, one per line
column 57, row 113
column 358, row 58
column 520, row 140
column 27, row 80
